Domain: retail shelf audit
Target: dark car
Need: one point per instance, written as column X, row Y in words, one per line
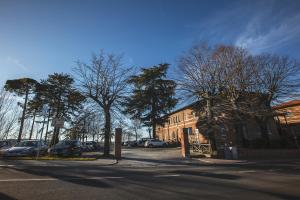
column 26, row 148
column 66, row 148
column 141, row 142
column 92, row 145
column 5, row 144
column 132, row 143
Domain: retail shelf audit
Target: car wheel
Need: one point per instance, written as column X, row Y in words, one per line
column 164, row 145
column 150, row 145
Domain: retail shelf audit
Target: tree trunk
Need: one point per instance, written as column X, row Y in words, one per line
column 209, row 111
column 136, row 135
column 209, row 116
column 83, row 132
column 32, row 125
column 264, row 131
column 23, row 116
column 107, row 129
column 55, row 136
column 154, row 130
column 42, row 131
column 48, row 120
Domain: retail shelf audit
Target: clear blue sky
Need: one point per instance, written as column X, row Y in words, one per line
column 42, row 37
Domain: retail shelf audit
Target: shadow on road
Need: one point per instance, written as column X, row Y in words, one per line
column 137, row 180
column 163, row 161
column 207, row 174
column 6, row 197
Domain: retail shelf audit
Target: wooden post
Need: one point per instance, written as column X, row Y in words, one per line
column 185, row 146
column 118, row 141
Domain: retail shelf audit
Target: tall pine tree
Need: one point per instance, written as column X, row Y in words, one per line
column 152, row 96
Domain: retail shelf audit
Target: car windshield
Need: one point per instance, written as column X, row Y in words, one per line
column 27, row 144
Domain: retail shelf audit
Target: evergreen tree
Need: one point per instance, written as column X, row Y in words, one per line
column 63, row 99
column 152, row 96
column 22, row 87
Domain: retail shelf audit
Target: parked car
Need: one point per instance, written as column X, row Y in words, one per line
column 155, row 143
column 84, row 147
column 132, row 143
column 66, row 148
column 5, row 144
column 26, row 148
column 92, row 145
column 141, row 142
column 125, row 143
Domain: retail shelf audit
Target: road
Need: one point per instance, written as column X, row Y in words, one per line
column 149, row 174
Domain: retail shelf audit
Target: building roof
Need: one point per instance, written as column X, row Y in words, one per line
column 287, row 104
column 191, row 105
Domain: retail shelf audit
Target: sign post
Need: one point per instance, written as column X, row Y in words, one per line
column 185, row 146
column 118, row 141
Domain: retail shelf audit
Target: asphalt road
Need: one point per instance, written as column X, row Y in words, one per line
column 149, row 174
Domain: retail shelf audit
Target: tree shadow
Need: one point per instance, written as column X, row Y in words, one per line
column 6, row 197
column 207, row 174
column 169, row 162
column 67, row 175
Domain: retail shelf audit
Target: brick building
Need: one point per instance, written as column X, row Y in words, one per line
column 288, row 119
column 185, row 117
column 225, row 133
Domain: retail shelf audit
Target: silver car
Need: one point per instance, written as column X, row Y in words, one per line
column 155, row 143
column 26, row 148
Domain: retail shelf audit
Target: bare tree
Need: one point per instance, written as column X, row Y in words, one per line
column 277, row 79
column 9, row 113
column 231, row 80
column 104, row 81
column 202, row 78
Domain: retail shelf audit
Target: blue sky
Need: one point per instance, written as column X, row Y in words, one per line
column 42, row 37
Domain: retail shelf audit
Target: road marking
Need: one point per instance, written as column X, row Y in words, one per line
column 206, row 161
column 29, row 179
column 57, row 179
column 7, row 165
column 166, row 175
column 274, row 170
column 247, row 171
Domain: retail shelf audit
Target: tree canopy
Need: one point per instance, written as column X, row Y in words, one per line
column 21, row 87
column 152, row 96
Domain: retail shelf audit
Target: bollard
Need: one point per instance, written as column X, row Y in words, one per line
column 185, row 146
column 118, row 143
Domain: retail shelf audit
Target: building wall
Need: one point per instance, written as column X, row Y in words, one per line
column 291, row 114
column 172, row 130
column 225, row 134
column 289, row 123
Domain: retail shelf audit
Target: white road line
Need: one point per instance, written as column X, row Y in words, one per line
column 28, row 179
column 206, row 161
column 247, row 171
column 166, row 175
column 7, row 165
column 56, row 179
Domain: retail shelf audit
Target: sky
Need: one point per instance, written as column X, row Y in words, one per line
column 38, row 38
